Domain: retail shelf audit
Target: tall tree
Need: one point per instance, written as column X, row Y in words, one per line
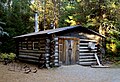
column 48, row 11
column 16, row 15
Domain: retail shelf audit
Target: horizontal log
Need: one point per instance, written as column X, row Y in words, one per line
column 87, row 60
column 83, row 44
column 56, row 47
column 29, row 60
column 84, row 47
column 47, row 61
column 56, row 57
column 56, row 61
column 47, row 55
column 86, row 54
column 56, row 54
column 87, row 40
column 88, row 63
column 56, row 43
column 55, row 38
column 28, row 57
column 32, row 51
column 56, row 64
column 47, row 58
column 85, row 50
column 87, row 57
column 29, row 54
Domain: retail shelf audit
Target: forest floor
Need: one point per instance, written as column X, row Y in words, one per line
column 72, row 73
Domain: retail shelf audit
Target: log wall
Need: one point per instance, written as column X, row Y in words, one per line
column 31, row 48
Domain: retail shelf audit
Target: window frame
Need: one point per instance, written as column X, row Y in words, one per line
column 34, row 47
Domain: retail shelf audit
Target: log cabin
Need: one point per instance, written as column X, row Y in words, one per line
column 61, row 46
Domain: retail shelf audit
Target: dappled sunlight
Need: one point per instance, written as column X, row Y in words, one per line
column 113, row 47
column 71, row 20
column 113, row 5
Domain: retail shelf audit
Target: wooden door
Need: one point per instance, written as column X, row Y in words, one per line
column 68, row 50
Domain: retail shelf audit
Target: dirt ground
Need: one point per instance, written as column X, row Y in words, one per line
column 73, row 73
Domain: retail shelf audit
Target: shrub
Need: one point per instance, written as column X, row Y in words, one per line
column 11, row 56
column 4, row 55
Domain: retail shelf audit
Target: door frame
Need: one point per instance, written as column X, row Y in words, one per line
column 63, row 38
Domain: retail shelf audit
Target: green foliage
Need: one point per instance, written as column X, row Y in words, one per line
column 16, row 16
column 3, row 55
column 102, row 16
column 113, row 48
column 10, row 56
column 48, row 11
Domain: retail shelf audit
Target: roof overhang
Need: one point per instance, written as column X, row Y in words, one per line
column 57, row 30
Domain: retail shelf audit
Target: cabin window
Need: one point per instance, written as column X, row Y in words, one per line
column 24, row 45
column 35, row 45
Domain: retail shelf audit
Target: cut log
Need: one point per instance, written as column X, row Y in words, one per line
column 32, row 51
column 28, row 57
column 29, row 60
column 29, row 54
